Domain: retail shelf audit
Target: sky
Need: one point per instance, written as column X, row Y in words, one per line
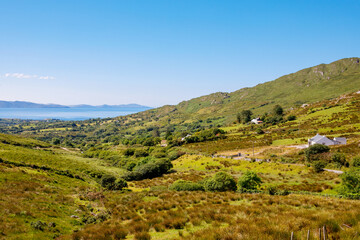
column 158, row 52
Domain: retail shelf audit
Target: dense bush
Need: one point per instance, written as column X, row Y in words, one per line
column 182, row 185
column 249, row 181
column 205, row 135
column 318, row 166
column 220, row 182
column 259, row 131
column 339, row 159
column 141, row 153
column 356, row 162
column 110, row 182
column 315, row 149
column 175, row 155
column 151, row 169
column 291, row 118
column 129, row 152
column 351, row 182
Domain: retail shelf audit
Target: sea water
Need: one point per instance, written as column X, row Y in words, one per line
column 74, row 113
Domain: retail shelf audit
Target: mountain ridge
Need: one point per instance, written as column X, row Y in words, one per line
column 25, row 104
column 320, row 82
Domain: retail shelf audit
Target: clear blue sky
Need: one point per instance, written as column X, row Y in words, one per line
column 155, row 52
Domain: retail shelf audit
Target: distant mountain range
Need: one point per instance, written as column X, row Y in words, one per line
column 22, row 104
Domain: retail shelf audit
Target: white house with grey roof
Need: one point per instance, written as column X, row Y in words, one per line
column 320, row 139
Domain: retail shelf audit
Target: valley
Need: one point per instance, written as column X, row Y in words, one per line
column 197, row 170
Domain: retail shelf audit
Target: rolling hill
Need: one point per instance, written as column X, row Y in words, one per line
column 321, row 82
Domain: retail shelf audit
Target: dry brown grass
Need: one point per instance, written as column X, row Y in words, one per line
column 205, row 215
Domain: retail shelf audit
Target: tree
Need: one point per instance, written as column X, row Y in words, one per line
column 220, row 182
column 245, row 116
column 249, row 181
column 278, row 110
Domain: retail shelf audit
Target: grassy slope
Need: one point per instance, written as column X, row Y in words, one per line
column 32, row 195
column 317, row 83
column 333, row 118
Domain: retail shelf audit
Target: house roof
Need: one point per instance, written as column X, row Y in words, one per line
column 339, row 138
column 323, row 140
column 316, row 138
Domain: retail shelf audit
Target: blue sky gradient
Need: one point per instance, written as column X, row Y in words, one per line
column 156, row 52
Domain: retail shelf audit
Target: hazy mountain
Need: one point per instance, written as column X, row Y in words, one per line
column 132, row 105
column 23, row 104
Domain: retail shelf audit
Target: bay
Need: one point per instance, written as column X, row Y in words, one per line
column 73, row 114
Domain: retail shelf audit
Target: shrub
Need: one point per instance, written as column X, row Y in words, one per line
column 154, row 168
column 316, row 149
column 284, row 192
column 141, row 153
column 182, row 185
column 110, row 182
column 120, row 184
column 129, row 152
column 356, row 162
column 107, row 181
column 249, row 181
column 175, row 155
column 220, row 182
column 119, row 233
column 259, row 131
column 351, row 182
column 339, row 159
column 142, row 236
column 38, row 225
column 271, row 190
column 318, row 166
column 291, row 118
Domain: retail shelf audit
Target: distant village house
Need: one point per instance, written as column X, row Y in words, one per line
column 319, row 139
column 256, row 121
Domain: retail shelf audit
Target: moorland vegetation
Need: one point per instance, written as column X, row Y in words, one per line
column 198, row 170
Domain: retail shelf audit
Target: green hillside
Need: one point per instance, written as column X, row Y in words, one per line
column 59, row 189
column 321, row 82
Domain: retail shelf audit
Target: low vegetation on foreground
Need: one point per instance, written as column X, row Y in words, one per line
column 188, row 172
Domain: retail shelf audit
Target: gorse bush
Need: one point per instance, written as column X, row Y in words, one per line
column 153, row 168
column 182, row 185
column 220, row 182
column 249, row 181
column 110, row 182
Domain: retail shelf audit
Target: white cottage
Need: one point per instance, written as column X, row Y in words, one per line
column 319, row 139
column 256, row 121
